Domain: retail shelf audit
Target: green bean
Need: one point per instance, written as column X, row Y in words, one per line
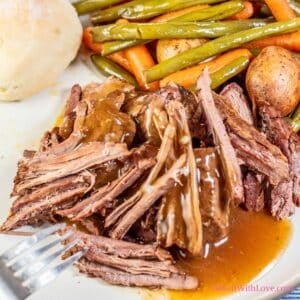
column 295, row 5
column 217, row 46
column 213, row 13
column 143, row 9
column 87, row 6
column 109, row 68
column 216, row 12
column 144, row 31
column 229, row 71
column 115, row 46
column 295, row 121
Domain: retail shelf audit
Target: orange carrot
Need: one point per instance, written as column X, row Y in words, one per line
column 189, row 76
column 281, row 9
column 88, row 41
column 174, row 14
column 140, row 59
column 246, row 13
column 290, row 41
column 118, row 57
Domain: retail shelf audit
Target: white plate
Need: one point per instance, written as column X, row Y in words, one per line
column 21, row 126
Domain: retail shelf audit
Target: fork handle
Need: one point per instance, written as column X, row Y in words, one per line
column 11, row 288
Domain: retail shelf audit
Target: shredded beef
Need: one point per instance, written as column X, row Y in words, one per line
column 230, row 164
column 254, row 193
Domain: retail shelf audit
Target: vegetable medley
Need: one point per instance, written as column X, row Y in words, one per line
column 151, row 43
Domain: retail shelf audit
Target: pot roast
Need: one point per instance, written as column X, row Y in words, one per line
column 142, row 176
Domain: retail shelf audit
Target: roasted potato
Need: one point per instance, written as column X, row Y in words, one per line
column 170, row 47
column 273, row 78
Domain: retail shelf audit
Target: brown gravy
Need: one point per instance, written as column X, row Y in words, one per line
column 255, row 240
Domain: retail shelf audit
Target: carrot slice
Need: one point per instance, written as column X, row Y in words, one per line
column 188, row 77
column 246, row 13
column 174, row 14
column 140, row 59
column 281, row 9
column 290, row 41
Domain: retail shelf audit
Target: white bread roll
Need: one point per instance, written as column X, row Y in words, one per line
column 38, row 40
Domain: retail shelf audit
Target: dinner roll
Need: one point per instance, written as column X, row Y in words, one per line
column 38, row 40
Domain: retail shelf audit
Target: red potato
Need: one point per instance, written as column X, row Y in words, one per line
column 273, row 78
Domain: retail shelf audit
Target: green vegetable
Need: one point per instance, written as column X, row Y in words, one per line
column 109, row 68
column 295, row 121
column 216, row 12
column 213, row 13
column 170, row 30
column 229, row 71
column 116, row 46
column 144, row 9
column 295, row 5
column 87, row 6
column 217, row 46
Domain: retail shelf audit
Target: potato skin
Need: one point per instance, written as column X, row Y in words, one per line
column 273, row 79
column 170, row 47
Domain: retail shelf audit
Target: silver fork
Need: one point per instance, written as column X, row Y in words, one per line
column 25, row 268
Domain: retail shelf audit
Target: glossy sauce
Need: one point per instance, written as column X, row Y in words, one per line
column 254, row 242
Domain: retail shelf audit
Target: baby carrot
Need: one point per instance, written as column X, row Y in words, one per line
column 117, row 57
column 281, row 9
column 290, row 41
column 246, row 13
column 140, row 59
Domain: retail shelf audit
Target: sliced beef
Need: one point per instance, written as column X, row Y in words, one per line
column 215, row 207
column 148, row 196
column 134, row 265
column 281, row 134
column 295, row 168
column 45, row 191
column 190, row 202
column 235, row 95
column 49, row 203
column 149, row 112
column 171, row 228
column 230, row 165
column 252, row 146
column 286, row 194
column 67, row 126
column 113, row 276
column 92, row 225
column 189, row 101
column 281, row 200
column 108, row 192
column 254, row 192
column 49, row 139
column 128, row 204
column 129, row 264
column 121, row 248
column 95, row 92
column 144, row 231
column 45, row 170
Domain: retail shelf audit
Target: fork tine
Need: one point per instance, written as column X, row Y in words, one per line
column 41, row 264
column 29, row 242
column 52, row 273
column 33, row 254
